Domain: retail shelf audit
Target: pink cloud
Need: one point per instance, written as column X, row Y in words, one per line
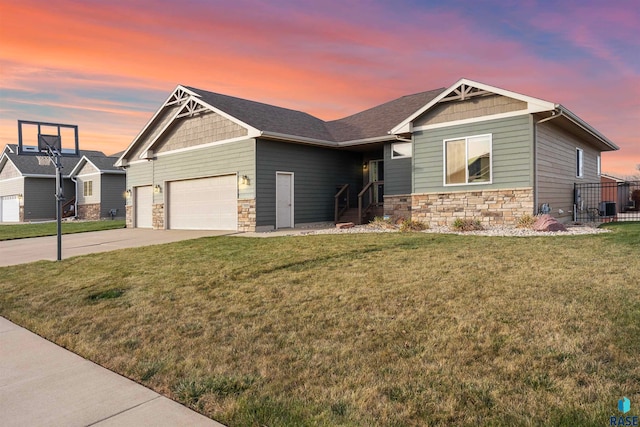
column 327, row 60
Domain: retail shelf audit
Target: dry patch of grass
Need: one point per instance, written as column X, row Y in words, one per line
column 363, row 329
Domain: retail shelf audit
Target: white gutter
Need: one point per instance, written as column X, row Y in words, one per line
column 585, row 126
column 75, row 204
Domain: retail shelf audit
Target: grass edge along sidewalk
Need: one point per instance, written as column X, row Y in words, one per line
column 42, row 229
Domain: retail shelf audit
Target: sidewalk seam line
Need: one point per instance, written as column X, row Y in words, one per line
column 123, row 411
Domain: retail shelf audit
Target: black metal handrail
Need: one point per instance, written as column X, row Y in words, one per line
column 367, row 189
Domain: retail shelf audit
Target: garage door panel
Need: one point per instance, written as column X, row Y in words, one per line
column 10, row 209
column 143, row 206
column 203, row 204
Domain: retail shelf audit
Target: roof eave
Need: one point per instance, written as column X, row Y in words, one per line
column 534, row 104
column 587, row 127
column 120, row 162
column 294, row 138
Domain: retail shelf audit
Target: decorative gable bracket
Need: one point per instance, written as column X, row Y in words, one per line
column 464, row 92
column 179, row 96
column 191, row 108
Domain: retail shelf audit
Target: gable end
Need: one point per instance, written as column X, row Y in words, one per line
column 469, row 108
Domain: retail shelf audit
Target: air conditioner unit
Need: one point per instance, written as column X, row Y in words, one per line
column 607, row 208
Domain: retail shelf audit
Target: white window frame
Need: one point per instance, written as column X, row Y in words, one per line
column 87, row 188
column 466, row 150
column 404, row 143
column 579, row 163
column 599, row 165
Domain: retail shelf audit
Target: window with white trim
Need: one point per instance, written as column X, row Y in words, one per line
column 468, row 160
column 400, row 150
column 579, row 162
column 88, row 188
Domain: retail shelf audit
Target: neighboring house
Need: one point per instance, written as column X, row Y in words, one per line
column 212, row 161
column 28, row 185
column 100, row 188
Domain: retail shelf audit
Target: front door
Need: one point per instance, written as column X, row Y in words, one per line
column 284, row 200
column 376, row 173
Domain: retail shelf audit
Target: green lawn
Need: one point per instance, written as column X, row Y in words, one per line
column 23, row 231
column 362, row 329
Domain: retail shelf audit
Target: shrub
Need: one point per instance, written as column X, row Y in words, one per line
column 461, row 224
column 412, row 225
column 389, row 223
column 526, row 221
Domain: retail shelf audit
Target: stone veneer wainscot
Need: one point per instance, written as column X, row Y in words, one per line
column 490, row 207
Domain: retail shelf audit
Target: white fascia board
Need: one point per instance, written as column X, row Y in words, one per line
column 372, row 140
column 250, row 129
column 79, row 166
column 534, row 104
column 119, row 162
column 13, row 179
column 300, row 139
column 587, row 127
column 5, row 159
column 38, row 175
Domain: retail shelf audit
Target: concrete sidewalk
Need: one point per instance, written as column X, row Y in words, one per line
column 21, row 251
column 43, row 384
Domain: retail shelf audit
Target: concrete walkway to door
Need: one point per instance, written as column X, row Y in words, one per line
column 21, row 251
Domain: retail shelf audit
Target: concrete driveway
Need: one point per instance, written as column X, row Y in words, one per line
column 21, row 251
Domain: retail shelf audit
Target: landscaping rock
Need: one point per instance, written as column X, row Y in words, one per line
column 342, row 225
column 548, row 223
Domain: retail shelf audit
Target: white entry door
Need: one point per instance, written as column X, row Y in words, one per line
column 143, row 206
column 9, row 209
column 284, row 200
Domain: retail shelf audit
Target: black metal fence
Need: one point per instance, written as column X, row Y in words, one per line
column 606, row 201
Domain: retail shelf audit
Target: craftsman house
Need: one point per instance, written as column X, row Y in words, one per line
column 100, row 188
column 28, row 185
column 211, row 161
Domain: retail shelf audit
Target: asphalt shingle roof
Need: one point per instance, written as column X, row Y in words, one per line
column 371, row 123
column 29, row 164
column 104, row 163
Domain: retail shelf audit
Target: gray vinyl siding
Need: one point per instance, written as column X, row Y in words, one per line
column 512, row 154
column 556, row 168
column 112, row 190
column 317, row 173
column 39, row 197
column 237, row 157
column 397, row 173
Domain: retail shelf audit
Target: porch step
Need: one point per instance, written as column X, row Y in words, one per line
column 351, row 215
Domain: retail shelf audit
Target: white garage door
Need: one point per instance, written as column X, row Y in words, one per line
column 203, row 204
column 10, row 209
column 143, row 208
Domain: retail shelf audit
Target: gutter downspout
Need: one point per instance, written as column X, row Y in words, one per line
column 75, row 204
column 557, row 112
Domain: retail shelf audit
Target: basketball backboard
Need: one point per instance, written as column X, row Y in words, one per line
column 36, row 137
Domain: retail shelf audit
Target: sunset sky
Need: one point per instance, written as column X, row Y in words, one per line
column 107, row 66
